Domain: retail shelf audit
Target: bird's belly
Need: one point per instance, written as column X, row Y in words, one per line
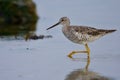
column 80, row 39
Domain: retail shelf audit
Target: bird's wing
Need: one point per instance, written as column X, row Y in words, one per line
column 86, row 30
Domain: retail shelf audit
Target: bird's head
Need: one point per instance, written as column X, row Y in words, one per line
column 63, row 21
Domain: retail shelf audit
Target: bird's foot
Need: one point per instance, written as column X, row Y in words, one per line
column 70, row 55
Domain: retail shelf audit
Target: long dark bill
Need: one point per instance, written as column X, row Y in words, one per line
column 53, row 26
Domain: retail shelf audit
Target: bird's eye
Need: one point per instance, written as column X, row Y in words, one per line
column 62, row 20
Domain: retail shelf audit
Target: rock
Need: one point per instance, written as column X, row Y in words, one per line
column 17, row 11
column 16, row 31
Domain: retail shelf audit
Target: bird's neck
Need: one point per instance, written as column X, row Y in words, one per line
column 66, row 24
column 66, row 27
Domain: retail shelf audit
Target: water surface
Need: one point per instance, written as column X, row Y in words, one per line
column 47, row 59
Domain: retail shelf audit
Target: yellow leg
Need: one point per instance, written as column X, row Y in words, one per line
column 75, row 52
column 88, row 63
column 87, row 49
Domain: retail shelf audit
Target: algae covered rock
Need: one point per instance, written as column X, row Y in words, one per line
column 17, row 11
column 16, row 31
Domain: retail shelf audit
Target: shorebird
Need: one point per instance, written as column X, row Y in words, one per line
column 80, row 34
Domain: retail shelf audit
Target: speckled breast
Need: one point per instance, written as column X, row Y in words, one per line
column 74, row 36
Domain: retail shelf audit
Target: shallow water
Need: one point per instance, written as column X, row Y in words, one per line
column 47, row 59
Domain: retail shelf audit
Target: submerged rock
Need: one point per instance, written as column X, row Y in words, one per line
column 17, row 11
column 36, row 37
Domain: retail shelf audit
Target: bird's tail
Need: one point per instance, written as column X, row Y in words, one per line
column 106, row 31
column 110, row 31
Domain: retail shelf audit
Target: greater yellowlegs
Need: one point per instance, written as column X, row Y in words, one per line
column 80, row 34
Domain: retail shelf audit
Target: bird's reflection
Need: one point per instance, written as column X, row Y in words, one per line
column 85, row 74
